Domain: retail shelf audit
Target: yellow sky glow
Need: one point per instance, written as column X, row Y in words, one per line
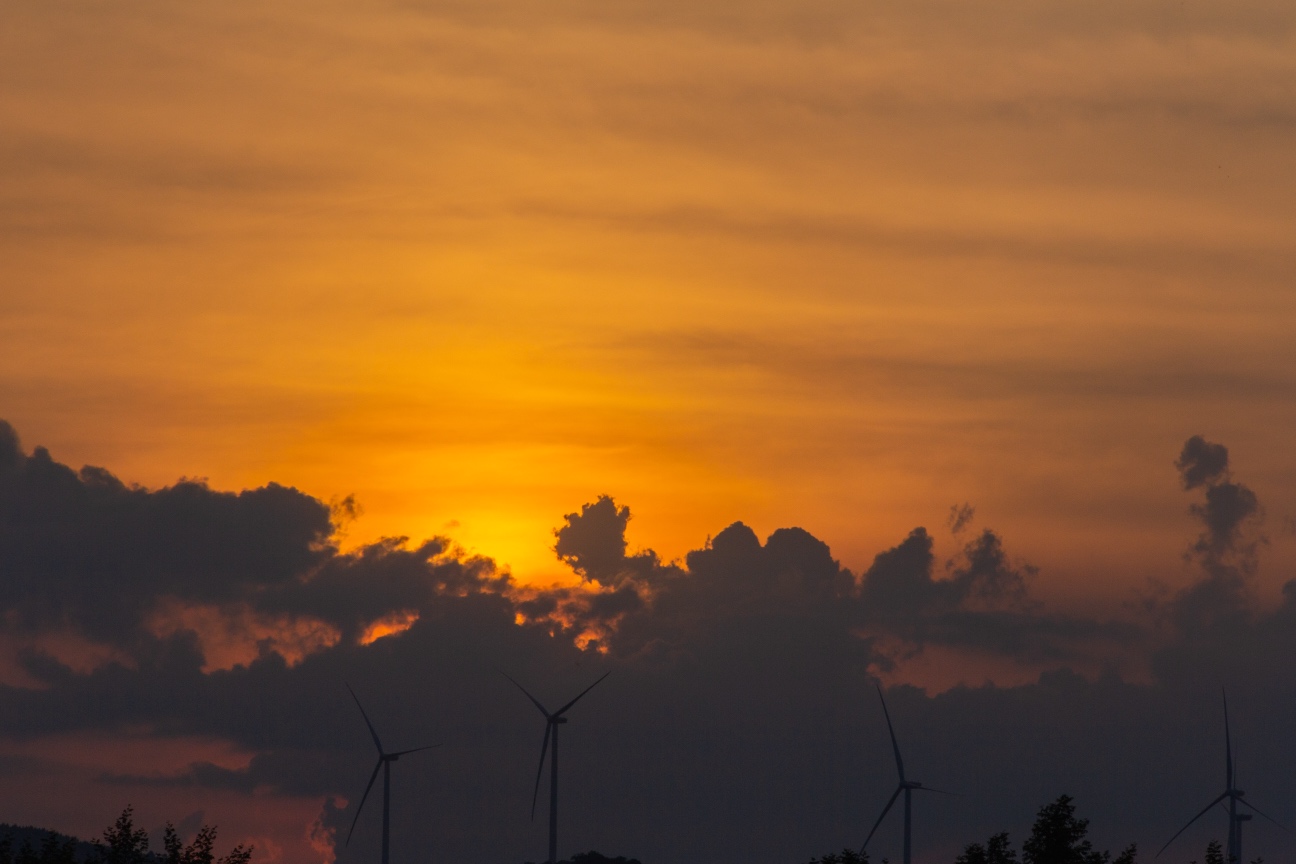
column 818, row 265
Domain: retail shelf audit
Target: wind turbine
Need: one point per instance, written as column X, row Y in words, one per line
column 906, row 786
column 1233, row 796
column 552, row 722
column 385, row 761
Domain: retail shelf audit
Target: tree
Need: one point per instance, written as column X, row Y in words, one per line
column 1058, row 837
column 56, row 850
column 996, row 850
column 847, row 856
column 200, row 851
column 123, row 843
column 1129, row 855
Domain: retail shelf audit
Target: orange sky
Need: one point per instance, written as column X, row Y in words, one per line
column 831, row 265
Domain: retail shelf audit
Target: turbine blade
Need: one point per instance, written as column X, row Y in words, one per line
column 544, row 748
column 563, row 709
column 372, row 732
column 372, row 778
column 415, row 750
column 1228, row 742
column 885, row 810
column 534, row 700
column 940, row 791
column 1204, row 811
column 894, row 744
column 1265, row 815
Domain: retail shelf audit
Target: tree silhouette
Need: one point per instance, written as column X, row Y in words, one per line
column 995, row 851
column 846, row 856
column 1214, row 855
column 54, row 849
column 1058, row 837
column 57, row 850
column 123, row 843
column 200, row 851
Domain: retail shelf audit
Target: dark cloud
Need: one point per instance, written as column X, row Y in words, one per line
column 283, row 771
column 1224, row 514
column 739, row 724
column 1226, row 551
column 1201, row 462
column 960, row 517
column 82, row 548
column 982, row 604
column 592, row 542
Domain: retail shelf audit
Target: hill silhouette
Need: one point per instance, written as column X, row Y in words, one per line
column 42, row 845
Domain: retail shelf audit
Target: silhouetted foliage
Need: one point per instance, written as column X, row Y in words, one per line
column 1214, row 855
column 996, row 850
column 1058, row 837
column 57, row 850
column 846, row 856
column 590, row 857
column 123, row 843
column 1128, row 855
column 24, row 844
column 200, row 851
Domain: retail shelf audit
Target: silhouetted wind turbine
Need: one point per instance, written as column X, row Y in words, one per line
column 906, row 786
column 552, row 722
column 1232, row 795
column 384, row 763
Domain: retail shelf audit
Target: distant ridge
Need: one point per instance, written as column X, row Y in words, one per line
column 35, row 838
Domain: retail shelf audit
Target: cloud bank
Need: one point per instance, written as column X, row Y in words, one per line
column 739, row 724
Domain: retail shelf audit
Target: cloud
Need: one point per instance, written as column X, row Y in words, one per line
column 1218, row 607
column 83, row 549
column 1201, row 462
column 961, row 515
column 740, row 721
column 592, row 542
column 245, row 572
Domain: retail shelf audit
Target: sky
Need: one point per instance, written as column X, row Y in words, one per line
column 354, row 306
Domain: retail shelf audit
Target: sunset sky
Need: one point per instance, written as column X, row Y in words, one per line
column 469, row 266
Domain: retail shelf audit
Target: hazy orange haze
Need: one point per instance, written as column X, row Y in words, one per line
column 825, row 264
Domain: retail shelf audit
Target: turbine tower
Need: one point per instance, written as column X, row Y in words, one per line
column 906, row 786
column 552, row 722
column 385, row 761
column 1233, row 796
